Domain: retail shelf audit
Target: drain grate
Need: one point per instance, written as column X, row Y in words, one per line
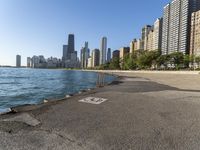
column 93, row 100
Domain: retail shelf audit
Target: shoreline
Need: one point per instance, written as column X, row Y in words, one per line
column 47, row 102
column 125, row 71
column 146, row 71
column 116, row 73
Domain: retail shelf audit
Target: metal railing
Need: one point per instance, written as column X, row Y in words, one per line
column 100, row 79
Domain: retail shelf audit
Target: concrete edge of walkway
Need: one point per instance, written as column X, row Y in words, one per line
column 146, row 71
column 34, row 107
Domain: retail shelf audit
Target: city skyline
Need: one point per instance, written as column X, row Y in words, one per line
column 33, row 34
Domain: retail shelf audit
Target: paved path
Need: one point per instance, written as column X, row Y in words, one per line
column 141, row 113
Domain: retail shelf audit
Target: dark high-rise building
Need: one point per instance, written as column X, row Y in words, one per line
column 18, row 61
column 71, row 47
column 109, row 55
column 95, row 57
column 65, row 47
column 69, row 59
column 115, row 54
column 28, row 62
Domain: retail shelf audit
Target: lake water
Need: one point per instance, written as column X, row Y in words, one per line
column 32, row 86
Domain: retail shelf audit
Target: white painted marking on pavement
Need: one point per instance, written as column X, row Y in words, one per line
column 93, row 100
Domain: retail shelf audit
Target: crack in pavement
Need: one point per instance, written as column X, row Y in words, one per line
column 61, row 136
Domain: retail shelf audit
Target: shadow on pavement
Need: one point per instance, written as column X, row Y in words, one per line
column 144, row 86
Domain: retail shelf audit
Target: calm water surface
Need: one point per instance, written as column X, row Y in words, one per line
column 32, row 86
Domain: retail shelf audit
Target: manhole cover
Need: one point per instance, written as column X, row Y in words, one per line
column 93, row 100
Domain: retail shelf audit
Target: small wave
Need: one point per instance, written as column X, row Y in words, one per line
column 4, row 110
column 36, row 87
column 13, row 77
column 12, row 83
column 20, row 96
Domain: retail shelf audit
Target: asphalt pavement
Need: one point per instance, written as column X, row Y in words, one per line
column 141, row 112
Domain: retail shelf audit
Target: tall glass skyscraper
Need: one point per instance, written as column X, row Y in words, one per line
column 70, row 59
column 103, row 50
column 176, row 25
column 65, row 47
column 109, row 55
column 71, row 47
column 18, row 61
column 85, row 54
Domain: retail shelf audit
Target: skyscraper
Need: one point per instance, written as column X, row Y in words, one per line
column 153, row 37
column 145, row 32
column 137, row 45
column 35, row 61
column 95, row 57
column 149, row 45
column 103, row 49
column 85, row 54
column 71, row 47
column 115, row 54
column 176, row 25
column 82, row 57
column 124, row 51
column 28, row 62
column 157, row 35
column 195, row 34
column 69, row 59
column 18, row 61
column 132, row 46
column 89, row 65
column 165, row 30
column 65, row 48
column 109, row 55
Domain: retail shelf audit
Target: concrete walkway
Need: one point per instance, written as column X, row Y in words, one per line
column 146, row 112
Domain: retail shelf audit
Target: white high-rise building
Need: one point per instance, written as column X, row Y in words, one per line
column 90, row 65
column 157, row 35
column 150, row 40
column 165, row 30
column 176, row 25
column 154, row 36
column 35, row 62
column 195, row 34
column 85, row 54
column 145, row 32
column 103, row 50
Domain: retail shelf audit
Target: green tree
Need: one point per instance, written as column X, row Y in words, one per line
column 129, row 62
column 177, row 59
column 104, row 66
column 163, row 60
column 186, row 60
column 147, row 59
column 114, row 64
column 123, row 62
column 197, row 60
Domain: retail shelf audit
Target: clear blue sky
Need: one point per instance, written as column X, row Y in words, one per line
column 40, row 27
